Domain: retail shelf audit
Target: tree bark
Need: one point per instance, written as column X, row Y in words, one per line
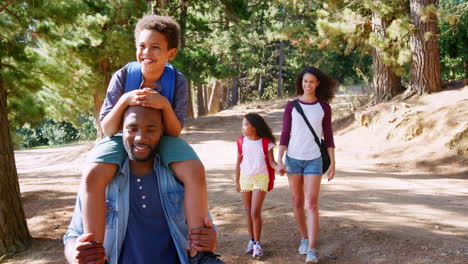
column 201, row 110
column 98, row 96
column 235, row 91
column 98, row 99
column 425, row 76
column 214, row 98
column 385, row 83
column 14, row 233
column 183, row 22
column 190, row 113
column 281, row 59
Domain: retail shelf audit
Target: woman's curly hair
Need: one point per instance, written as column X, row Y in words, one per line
column 326, row 89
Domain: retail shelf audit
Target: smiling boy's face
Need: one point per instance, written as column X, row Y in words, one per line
column 152, row 51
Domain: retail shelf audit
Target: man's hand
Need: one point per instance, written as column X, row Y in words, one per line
column 87, row 251
column 204, row 239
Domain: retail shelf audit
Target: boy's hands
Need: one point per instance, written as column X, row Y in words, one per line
column 147, row 97
column 87, row 251
column 204, row 239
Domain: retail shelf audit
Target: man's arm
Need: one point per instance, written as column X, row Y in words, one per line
column 82, row 250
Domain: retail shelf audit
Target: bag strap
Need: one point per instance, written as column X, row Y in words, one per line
column 300, row 111
column 240, row 141
column 265, row 142
column 135, row 77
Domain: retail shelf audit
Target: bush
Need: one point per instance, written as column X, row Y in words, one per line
column 87, row 130
column 50, row 132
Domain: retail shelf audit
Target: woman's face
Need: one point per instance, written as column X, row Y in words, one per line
column 247, row 129
column 309, row 83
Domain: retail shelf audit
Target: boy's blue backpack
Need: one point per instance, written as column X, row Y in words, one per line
column 135, row 77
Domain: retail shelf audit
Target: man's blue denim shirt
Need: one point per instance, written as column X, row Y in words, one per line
column 117, row 200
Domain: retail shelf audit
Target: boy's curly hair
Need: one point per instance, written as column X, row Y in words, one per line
column 325, row 90
column 262, row 128
column 162, row 24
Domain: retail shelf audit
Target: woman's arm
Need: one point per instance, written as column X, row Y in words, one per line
column 331, row 170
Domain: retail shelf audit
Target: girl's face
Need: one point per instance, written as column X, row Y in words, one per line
column 309, row 83
column 248, row 129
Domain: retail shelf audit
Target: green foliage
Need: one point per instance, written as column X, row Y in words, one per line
column 453, row 28
column 50, row 132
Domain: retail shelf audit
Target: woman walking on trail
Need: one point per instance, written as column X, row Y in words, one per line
column 255, row 174
column 303, row 156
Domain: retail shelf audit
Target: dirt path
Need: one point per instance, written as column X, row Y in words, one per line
column 368, row 214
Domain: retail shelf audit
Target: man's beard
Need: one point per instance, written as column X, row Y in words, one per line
column 131, row 156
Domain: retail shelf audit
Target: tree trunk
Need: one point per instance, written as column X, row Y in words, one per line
column 235, row 91
column 385, row 83
column 425, row 66
column 14, row 233
column 214, row 98
column 98, row 96
column 190, row 113
column 183, row 22
column 200, row 101
column 260, row 79
column 281, row 59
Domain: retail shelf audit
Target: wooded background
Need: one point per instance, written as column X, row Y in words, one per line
column 57, row 57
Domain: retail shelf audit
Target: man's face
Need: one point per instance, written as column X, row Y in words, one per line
column 142, row 129
column 152, row 51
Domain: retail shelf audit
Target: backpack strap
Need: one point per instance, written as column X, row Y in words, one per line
column 271, row 171
column 240, row 141
column 135, row 78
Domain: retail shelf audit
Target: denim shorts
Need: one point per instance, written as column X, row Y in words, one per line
column 304, row 167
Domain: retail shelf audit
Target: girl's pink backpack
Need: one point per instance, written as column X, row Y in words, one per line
column 271, row 171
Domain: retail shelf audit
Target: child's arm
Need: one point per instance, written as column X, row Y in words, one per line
column 238, row 173
column 111, row 123
column 271, row 158
column 150, row 98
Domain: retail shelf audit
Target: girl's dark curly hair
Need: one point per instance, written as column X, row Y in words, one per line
column 262, row 128
column 325, row 90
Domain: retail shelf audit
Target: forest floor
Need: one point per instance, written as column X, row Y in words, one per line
column 399, row 196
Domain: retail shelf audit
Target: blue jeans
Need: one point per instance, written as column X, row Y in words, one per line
column 304, row 167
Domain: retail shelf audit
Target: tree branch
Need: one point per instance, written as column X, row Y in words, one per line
column 183, row 4
column 4, row 6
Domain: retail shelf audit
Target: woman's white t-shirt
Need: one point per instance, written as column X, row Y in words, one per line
column 253, row 158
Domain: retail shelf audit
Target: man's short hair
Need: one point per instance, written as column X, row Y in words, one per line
column 162, row 24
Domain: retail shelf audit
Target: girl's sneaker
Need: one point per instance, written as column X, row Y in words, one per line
column 257, row 250
column 311, row 257
column 249, row 249
column 303, row 246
